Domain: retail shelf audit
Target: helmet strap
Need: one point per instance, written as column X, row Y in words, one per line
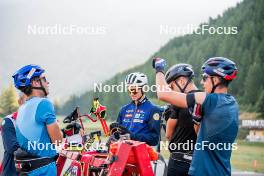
column 41, row 88
column 214, row 85
column 185, row 86
column 140, row 96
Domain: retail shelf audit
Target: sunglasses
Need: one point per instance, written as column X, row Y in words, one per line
column 43, row 79
column 204, row 77
column 133, row 91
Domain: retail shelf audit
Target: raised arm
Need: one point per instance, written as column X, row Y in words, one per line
column 164, row 93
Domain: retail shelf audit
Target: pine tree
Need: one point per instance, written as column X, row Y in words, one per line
column 56, row 105
column 260, row 105
column 246, row 49
column 8, row 100
column 253, row 78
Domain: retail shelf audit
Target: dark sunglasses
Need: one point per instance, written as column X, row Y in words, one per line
column 133, row 91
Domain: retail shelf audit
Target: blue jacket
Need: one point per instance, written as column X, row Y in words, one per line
column 142, row 120
column 10, row 145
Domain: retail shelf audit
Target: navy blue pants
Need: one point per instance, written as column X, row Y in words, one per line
column 177, row 168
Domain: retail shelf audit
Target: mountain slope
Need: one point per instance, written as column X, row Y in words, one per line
column 246, row 48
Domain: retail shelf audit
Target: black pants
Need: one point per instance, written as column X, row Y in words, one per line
column 177, row 168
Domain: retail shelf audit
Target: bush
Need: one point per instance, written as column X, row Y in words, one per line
column 242, row 133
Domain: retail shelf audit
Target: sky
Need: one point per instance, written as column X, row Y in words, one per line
column 83, row 42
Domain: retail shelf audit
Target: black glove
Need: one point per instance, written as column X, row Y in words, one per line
column 72, row 116
column 92, row 110
column 169, row 112
column 71, row 129
column 116, row 127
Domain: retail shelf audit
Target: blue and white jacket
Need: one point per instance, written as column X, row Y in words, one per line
column 142, row 120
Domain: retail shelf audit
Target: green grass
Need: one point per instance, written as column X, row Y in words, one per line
column 88, row 125
column 243, row 158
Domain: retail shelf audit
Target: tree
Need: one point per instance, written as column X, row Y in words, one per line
column 56, row 105
column 260, row 105
column 8, row 100
column 245, row 48
column 252, row 82
column 69, row 105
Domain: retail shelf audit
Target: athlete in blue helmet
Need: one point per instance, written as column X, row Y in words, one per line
column 140, row 117
column 37, row 130
column 215, row 108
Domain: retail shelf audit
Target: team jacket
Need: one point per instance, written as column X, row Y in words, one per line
column 142, row 120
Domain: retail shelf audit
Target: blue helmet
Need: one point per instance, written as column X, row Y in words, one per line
column 220, row 66
column 23, row 77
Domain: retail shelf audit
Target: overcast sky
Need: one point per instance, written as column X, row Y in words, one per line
column 106, row 37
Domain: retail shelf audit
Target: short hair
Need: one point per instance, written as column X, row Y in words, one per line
column 28, row 89
column 224, row 82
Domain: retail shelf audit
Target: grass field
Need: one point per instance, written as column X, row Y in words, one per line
column 242, row 159
column 248, row 154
